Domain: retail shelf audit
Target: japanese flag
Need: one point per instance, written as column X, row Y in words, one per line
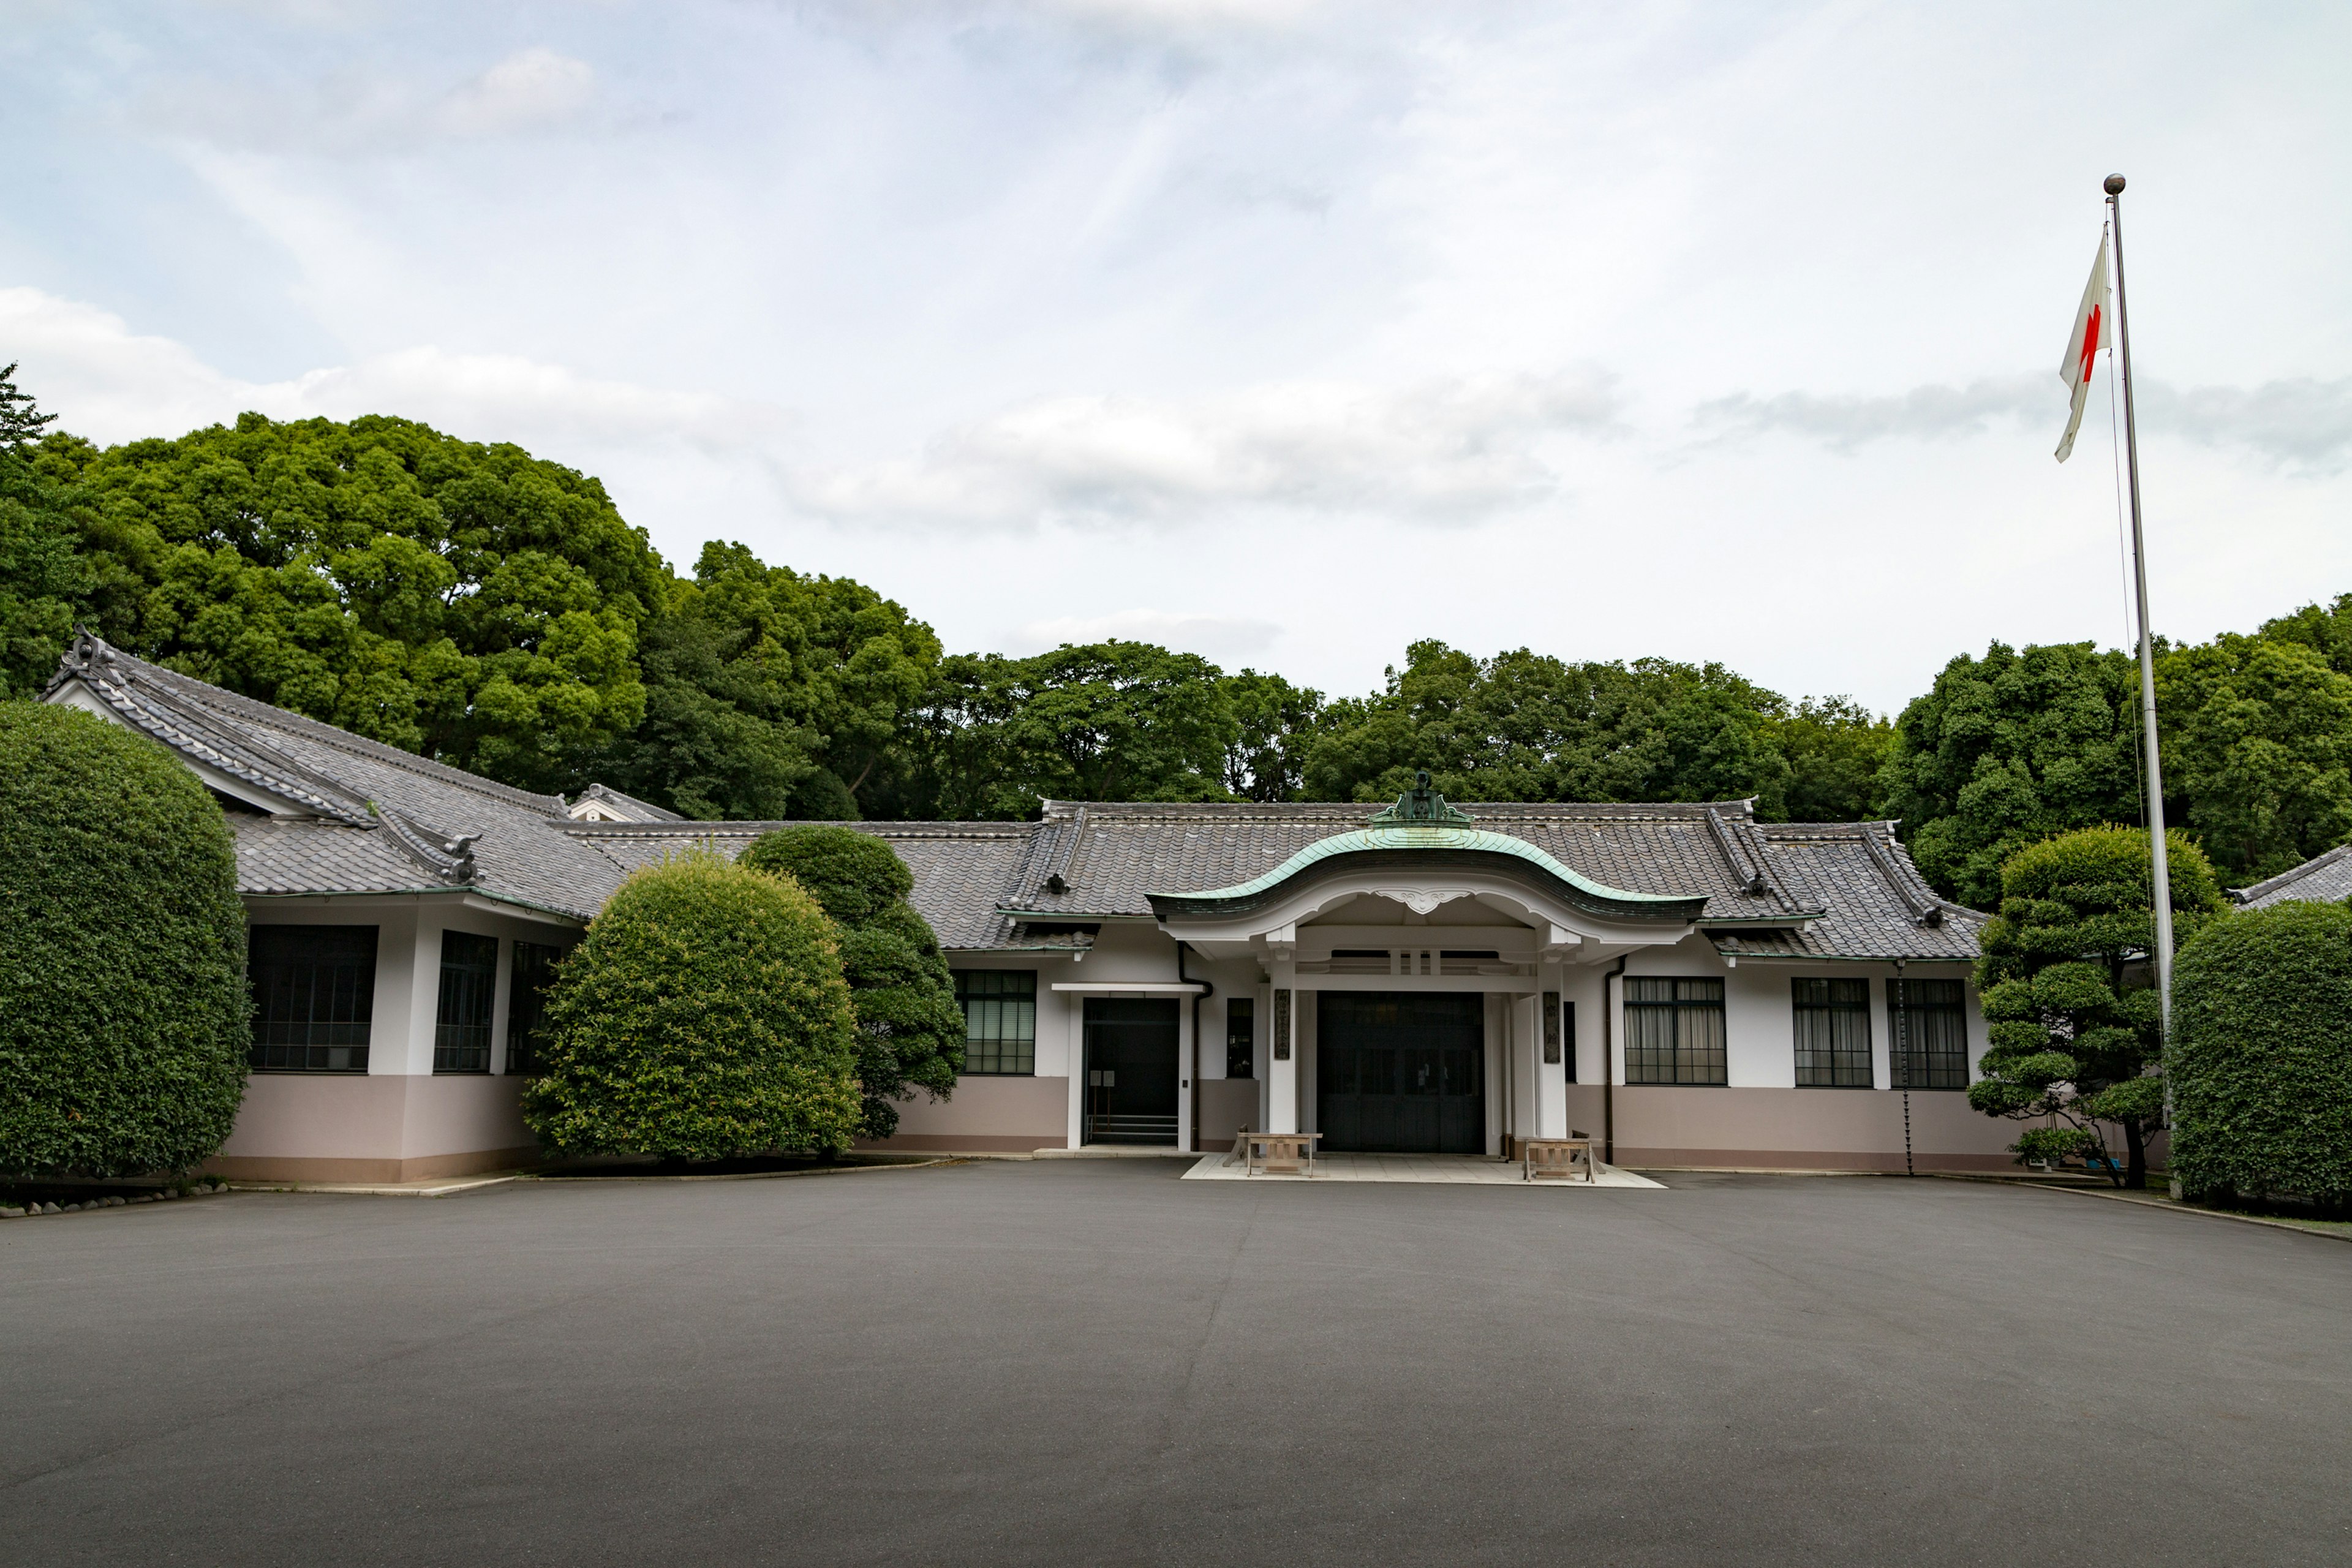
column 2082, row 348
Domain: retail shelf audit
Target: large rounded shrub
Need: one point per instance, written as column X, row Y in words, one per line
column 124, row 1020
column 911, row 1032
column 2261, row 1055
column 703, row 1017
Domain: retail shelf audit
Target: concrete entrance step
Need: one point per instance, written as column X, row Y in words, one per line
column 1456, row 1170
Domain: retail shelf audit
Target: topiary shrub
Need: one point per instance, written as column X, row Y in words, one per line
column 2072, row 1021
column 911, row 1032
column 2261, row 1059
column 702, row 1018
column 124, row 1019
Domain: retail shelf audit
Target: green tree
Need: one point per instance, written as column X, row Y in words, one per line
column 2257, row 743
column 1837, row 752
column 911, row 1032
column 1275, row 724
column 2008, row 750
column 21, row 421
column 2261, row 1059
column 770, row 694
column 2074, row 1023
column 469, row 602
column 124, row 1019
column 1525, row 726
column 1113, row 720
column 44, row 585
column 703, row 1017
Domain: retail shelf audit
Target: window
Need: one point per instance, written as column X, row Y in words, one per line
column 1673, row 1031
column 1931, row 1033
column 469, row 986
column 533, row 972
column 313, row 996
column 1000, row 1019
column 1240, row 1037
column 1832, row 1020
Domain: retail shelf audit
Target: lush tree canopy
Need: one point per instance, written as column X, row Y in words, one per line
column 2262, row 1055
column 494, row 610
column 2008, row 750
column 123, row 1012
column 2257, row 740
column 1525, row 726
column 469, row 602
column 703, row 1017
column 770, row 694
column 2074, row 1024
column 1112, row 721
column 910, row 1033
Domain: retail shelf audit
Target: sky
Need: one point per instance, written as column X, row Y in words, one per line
column 1284, row 331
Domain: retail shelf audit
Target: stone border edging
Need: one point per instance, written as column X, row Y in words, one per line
column 2164, row 1205
column 110, row 1201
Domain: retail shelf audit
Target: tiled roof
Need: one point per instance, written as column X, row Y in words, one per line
column 2322, row 879
column 627, row 807
column 359, row 816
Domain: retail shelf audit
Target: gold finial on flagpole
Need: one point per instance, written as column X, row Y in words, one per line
column 2114, row 185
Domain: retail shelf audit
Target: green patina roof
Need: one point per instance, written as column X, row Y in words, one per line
column 1457, row 845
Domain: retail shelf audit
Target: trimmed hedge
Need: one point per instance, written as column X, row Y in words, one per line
column 124, row 1019
column 2261, row 1055
column 911, row 1032
column 703, row 1017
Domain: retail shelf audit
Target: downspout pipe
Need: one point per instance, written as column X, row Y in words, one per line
column 1193, row 1075
column 1608, row 1066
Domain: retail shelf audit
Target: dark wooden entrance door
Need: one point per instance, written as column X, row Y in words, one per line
column 1130, row 1070
column 1398, row 1072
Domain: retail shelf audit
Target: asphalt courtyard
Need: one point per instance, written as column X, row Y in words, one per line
column 1094, row 1362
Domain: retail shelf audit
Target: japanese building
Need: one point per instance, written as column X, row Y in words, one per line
column 1688, row 985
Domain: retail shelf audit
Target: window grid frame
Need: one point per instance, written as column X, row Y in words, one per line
column 1694, row 1049
column 528, row 982
column 285, row 989
column 1929, row 1048
column 465, row 1010
column 1834, row 1012
column 991, row 1000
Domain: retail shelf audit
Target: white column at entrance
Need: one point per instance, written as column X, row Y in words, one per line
column 1188, row 1067
column 1282, row 1072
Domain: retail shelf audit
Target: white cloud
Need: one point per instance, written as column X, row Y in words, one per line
column 2302, row 423
column 112, row 384
column 525, row 91
column 1456, row 451
column 1224, row 639
column 374, row 110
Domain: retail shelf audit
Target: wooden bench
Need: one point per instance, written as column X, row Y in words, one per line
column 1557, row 1160
column 1276, row 1153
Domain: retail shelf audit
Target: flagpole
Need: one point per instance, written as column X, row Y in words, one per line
column 2162, row 890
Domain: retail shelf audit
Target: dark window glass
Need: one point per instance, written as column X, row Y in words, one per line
column 1673, row 1031
column 1240, row 1037
column 1931, row 1033
column 1000, row 1019
column 313, row 997
column 1833, row 1022
column 470, row 988
column 533, row 972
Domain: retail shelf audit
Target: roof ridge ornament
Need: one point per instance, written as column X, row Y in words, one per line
column 1421, row 806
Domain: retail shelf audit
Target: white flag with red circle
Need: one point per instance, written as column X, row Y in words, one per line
column 2082, row 348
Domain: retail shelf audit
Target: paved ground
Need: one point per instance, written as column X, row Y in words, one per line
column 1082, row 1362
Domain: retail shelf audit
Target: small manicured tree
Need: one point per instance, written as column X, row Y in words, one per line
column 2074, row 1023
column 910, row 1033
column 702, row 1018
column 124, row 1020
column 2261, row 1059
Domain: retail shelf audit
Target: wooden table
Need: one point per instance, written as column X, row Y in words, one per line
column 1557, row 1159
column 1277, row 1153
